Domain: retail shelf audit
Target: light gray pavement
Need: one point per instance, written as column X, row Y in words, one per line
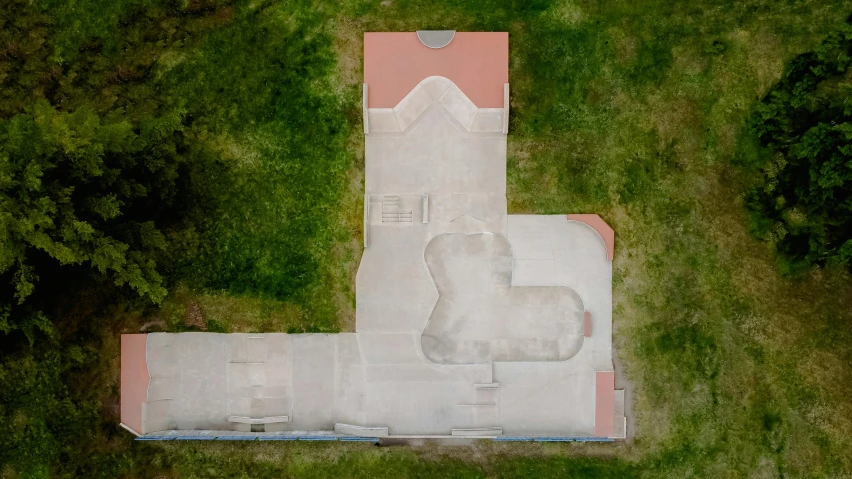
column 466, row 317
column 436, row 38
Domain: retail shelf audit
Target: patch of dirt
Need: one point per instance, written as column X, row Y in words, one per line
column 155, row 325
column 765, row 56
column 622, row 380
column 568, row 13
column 349, row 45
column 626, row 46
column 194, row 316
column 679, row 121
column 689, row 61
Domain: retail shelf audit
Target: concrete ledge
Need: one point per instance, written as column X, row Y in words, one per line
column 486, row 386
column 366, row 220
column 505, row 108
column 478, row 431
column 258, row 420
column 364, row 110
column 360, row 431
column 424, row 212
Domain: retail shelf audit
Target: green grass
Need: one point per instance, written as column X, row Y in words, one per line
column 267, row 219
column 302, row 460
column 634, row 110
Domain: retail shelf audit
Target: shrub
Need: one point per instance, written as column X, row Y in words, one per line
column 803, row 200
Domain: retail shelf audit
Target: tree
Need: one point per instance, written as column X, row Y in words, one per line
column 78, row 189
column 803, row 201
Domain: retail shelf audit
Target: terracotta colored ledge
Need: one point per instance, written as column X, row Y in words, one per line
column 134, row 380
column 604, row 403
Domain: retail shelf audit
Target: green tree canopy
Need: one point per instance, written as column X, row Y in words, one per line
column 78, row 189
column 803, row 202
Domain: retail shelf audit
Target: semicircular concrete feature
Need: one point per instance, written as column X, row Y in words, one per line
column 603, row 230
column 481, row 318
column 436, row 38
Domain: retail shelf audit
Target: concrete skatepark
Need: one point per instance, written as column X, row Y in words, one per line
column 469, row 321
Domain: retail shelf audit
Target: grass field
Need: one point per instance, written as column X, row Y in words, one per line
column 633, row 110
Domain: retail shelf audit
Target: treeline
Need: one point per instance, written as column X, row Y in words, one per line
column 92, row 156
column 803, row 200
column 93, row 166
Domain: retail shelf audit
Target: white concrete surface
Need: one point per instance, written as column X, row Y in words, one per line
column 469, row 321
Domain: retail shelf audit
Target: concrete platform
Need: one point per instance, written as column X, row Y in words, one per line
column 469, row 321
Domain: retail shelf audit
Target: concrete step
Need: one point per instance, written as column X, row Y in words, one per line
column 478, row 431
column 363, row 431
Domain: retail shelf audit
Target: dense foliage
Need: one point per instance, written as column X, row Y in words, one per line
column 78, row 189
column 91, row 162
column 804, row 202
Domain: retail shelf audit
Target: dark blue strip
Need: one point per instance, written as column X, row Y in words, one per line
column 573, row 439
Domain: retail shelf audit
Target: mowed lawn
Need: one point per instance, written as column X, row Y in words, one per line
column 632, row 110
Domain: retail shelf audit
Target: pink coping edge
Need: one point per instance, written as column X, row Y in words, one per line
column 587, row 324
column 606, row 233
column 395, row 62
column 604, row 404
column 134, row 379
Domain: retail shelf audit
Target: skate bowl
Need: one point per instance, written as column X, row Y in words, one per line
column 481, row 318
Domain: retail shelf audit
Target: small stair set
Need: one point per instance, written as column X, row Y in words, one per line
column 392, row 211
